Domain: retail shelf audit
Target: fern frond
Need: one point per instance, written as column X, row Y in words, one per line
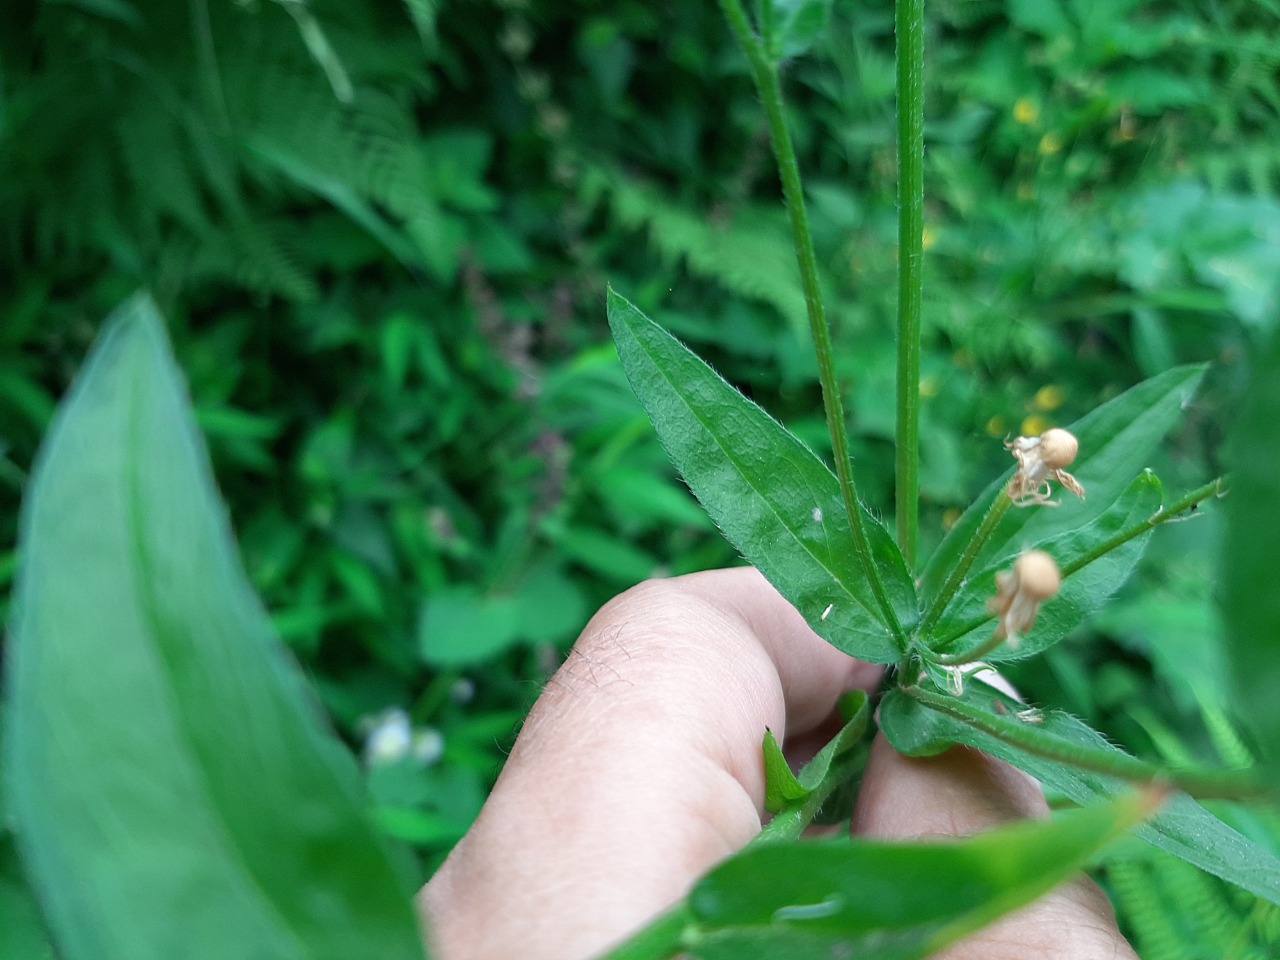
column 750, row 256
column 1173, row 911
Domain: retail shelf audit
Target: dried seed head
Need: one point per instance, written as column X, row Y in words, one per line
column 1037, row 575
column 1019, row 593
column 1058, row 448
column 1041, row 459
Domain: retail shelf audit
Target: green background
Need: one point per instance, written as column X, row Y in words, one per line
column 381, row 233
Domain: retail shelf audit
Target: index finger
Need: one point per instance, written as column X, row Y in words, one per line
column 638, row 768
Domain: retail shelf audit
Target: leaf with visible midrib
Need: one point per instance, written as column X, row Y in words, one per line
column 1184, row 828
column 770, row 494
column 890, row 901
column 175, row 791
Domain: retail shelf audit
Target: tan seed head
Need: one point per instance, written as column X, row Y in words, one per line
column 1058, row 448
column 1037, row 574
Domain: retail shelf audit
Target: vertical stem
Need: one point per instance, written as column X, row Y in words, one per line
column 765, row 72
column 910, row 43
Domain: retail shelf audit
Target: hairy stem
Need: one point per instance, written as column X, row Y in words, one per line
column 910, row 34
column 765, row 72
column 1163, row 515
column 970, row 656
column 1027, row 737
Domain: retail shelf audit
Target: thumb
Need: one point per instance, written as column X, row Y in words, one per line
column 962, row 792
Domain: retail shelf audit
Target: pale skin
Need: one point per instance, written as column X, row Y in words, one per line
column 640, row 767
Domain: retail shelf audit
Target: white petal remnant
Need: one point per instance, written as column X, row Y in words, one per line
column 389, row 737
column 1041, row 459
column 1019, row 593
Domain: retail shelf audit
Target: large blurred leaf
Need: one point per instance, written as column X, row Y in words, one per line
column 461, row 626
column 1083, row 591
column 22, row 933
column 1250, row 598
column 770, row 495
column 1184, row 828
column 886, row 901
column 175, row 791
column 1116, row 441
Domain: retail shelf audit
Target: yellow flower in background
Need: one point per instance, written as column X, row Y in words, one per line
column 928, row 237
column 929, row 386
column 1050, row 143
column 1026, row 112
column 1048, row 397
column 996, row 427
column 1035, row 425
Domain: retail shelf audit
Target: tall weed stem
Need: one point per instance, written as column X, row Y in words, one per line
column 910, row 44
column 765, row 72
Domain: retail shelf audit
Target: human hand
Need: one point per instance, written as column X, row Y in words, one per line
column 640, row 767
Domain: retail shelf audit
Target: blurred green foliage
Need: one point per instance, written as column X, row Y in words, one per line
column 382, row 231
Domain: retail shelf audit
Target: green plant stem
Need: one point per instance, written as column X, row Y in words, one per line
column 662, row 938
column 1025, row 736
column 970, row 656
column 910, row 42
column 768, row 84
column 955, row 576
column 1161, row 516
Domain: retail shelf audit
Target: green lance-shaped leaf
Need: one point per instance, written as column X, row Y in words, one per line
column 1250, row 598
column 1090, row 580
column 175, row 791
column 1116, row 440
column 1039, row 743
column 782, row 786
column 890, row 901
column 769, row 493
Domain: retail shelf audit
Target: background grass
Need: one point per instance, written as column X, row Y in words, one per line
column 382, row 233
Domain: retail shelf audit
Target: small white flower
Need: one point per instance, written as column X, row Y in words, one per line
column 390, row 738
column 1041, row 459
column 428, row 746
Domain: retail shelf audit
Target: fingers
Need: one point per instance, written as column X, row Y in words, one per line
column 963, row 792
column 638, row 768
column 956, row 794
